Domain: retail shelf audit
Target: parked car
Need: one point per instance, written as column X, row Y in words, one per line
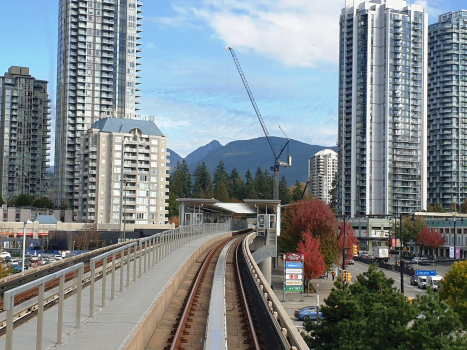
column 307, row 313
column 14, row 262
column 4, row 255
column 58, row 257
column 420, row 260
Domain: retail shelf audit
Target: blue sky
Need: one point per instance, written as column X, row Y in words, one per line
column 287, row 49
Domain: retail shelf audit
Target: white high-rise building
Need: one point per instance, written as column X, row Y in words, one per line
column 322, row 167
column 124, row 174
column 382, row 137
column 97, row 77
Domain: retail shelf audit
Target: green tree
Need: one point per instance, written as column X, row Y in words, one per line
column 454, row 289
column 236, row 187
column 24, row 200
column 453, row 207
column 43, row 202
column 174, row 206
column 221, row 192
column 1, row 201
column 180, row 180
column 333, row 194
column 372, row 314
column 297, row 191
column 284, row 193
column 410, row 228
column 202, row 187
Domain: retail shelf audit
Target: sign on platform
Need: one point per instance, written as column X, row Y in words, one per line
column 293, row 288
column 425, row 273
column 293, row 271
column 293, row 257
column 293, row 277
column 293, row 265
column 293, row 282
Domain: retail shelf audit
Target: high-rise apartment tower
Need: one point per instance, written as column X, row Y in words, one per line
column 25, row 124
column 322, row 167
column 382, row 115
column 447, row 142
column 96, row 77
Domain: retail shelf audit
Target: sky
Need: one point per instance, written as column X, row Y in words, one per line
column 288, row 50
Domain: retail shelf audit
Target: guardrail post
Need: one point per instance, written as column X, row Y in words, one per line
column 104, row 280
column 9, row 323
column 91, row 291
column 154, row 251
column 40, row 317
column 128, row 267
column 79, row 287
column 145, row 254
column 122, row 266
column 134, row 261
column 140, row 257
column 112, row 287
column 150, row 253
column 61, row 297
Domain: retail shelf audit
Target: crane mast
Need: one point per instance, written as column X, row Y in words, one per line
column 277, row 162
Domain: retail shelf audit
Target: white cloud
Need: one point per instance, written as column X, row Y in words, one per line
column 150, row 45
column 294, row 32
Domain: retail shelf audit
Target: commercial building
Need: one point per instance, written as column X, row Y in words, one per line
column 382, row 136
column 322, row 167
column 124, row 174
column 24, row 134
column 97, row 76
column 447, row 156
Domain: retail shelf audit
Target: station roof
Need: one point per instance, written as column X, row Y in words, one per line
column 248, row 206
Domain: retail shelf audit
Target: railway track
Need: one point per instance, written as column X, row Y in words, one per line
column 183, row 325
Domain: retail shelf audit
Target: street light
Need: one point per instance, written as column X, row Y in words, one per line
column 124, row 208
column 343, row 248
column 24, row 243
column 455, row 234
column 401, row 260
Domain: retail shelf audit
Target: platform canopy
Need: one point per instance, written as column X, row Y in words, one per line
column 249, row 206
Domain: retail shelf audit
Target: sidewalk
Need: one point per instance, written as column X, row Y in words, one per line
column 292, row 300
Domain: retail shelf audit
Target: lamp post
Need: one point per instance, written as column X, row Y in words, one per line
column 455, row 234
column 122, row 215
column 401, row 260
column 343, row 250
column 24, row 243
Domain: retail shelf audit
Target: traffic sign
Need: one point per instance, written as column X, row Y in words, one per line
column 293, row 288
column 425, row 273
column 293, row 265
column 293, row 271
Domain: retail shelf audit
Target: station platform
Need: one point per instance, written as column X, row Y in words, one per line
column 114, row 326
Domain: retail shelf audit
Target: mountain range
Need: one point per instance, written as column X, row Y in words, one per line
column 251, row 154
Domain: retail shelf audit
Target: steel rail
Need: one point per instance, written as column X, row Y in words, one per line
column 177, row 339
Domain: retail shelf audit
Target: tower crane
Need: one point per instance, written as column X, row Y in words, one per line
column 277, row 163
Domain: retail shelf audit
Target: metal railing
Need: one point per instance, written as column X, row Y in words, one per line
column 9, row 303
column 158, row 246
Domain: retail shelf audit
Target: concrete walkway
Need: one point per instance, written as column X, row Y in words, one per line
column 114, row 324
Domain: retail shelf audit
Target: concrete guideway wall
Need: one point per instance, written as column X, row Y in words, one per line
column 148, row 322
column 275, row 307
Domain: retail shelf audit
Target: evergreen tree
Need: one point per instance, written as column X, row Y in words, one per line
column 236, row 186
column 297, row 191
column 284, row 193
column 180, row 180
column 221, row 192
column 202, row 182
column 333, row 194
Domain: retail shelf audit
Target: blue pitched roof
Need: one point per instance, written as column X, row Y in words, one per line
column 126, row 125
column 46, row 219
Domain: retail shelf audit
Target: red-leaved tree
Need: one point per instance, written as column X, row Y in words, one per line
column 314, row 217
column 314, row 259
column 350, row 240
column 430, row 238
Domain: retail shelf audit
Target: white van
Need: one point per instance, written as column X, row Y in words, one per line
column 433, row 281
column 421, row 282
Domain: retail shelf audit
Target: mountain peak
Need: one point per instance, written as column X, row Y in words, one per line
column 195, row 156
